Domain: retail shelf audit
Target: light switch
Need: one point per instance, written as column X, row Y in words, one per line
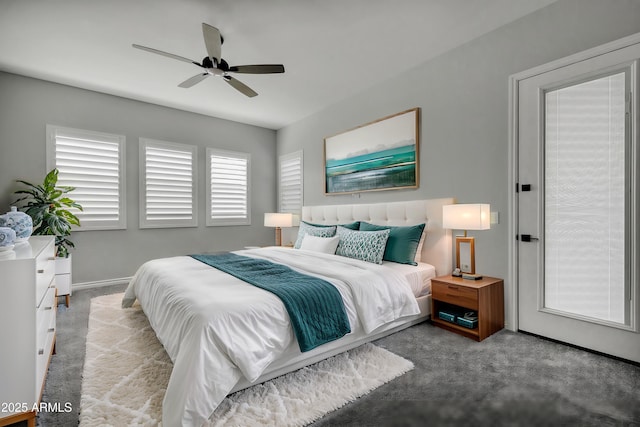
column 495, row 217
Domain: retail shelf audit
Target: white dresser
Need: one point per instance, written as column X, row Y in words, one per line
column 27, row 326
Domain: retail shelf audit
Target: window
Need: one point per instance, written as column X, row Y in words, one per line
column 228, row 192
column 93, row 163
column 290, row 183
column 168, row 184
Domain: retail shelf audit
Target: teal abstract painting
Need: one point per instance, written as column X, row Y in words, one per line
column 381, row 155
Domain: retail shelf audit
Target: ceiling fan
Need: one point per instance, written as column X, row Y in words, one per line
column 214, row 65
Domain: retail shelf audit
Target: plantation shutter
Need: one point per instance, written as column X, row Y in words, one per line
column 228, row 199
column 168, row 184
column 92, row 162
column 291, row 185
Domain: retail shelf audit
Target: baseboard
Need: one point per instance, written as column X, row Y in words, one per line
column 100, row 283
column 599, row 353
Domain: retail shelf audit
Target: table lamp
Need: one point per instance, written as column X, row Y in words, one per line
column 466, row 217
column 278, row 220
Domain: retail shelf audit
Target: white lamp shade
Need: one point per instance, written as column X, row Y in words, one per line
column 278, row 220
column 466, row 216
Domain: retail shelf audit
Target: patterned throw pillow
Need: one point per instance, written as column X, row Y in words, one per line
column 313, row 231
column 363, row 245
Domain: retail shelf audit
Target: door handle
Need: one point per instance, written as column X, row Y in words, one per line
column 527, row 238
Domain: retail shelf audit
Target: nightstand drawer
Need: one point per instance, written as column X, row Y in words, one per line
column 453, row 294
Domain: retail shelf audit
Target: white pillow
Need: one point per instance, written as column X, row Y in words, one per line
column 325, row 245
column 418, row 257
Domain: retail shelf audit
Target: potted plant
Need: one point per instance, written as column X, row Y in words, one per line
column 48, row 206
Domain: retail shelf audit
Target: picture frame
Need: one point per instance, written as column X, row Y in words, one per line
column 380, row 155
column 466, row 254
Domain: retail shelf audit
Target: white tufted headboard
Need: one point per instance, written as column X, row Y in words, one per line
column 436, row 250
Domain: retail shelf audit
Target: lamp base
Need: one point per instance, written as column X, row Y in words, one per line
column 278, row 236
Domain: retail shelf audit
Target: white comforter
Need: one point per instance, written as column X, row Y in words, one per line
column 217, row 328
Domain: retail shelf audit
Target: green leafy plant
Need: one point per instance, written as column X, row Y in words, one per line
column 47, row 205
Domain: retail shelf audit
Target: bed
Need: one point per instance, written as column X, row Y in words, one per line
column 223, row 334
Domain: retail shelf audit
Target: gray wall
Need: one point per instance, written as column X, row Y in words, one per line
column 463, row 95
column 27, row 105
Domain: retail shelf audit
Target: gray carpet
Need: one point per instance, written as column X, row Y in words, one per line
column 510, row 379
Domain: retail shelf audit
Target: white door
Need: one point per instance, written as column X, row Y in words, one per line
column 577, row 204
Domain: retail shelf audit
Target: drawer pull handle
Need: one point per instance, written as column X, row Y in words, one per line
column 41, row 352
column 48, row 308
column 455, row 288
column 453, row 296
column 40, row 271
column 51, row 329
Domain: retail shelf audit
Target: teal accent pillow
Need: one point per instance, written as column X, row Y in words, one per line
column 313, row 230
column 351, row 225
column 363, row 245
column 402, row 244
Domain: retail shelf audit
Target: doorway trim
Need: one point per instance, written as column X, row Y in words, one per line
column 511, row 309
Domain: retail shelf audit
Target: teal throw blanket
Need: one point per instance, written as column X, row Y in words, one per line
column 314, row 305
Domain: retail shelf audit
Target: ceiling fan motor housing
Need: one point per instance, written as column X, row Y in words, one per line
column 207, row 63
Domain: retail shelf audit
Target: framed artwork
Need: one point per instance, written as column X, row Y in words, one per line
column 466, row 254
column 381, row 155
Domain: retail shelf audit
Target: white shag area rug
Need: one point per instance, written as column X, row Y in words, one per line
column 126, row 372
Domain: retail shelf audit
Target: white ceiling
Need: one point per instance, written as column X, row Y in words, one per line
column 331, row 49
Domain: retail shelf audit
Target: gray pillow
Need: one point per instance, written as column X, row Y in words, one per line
column 313, row 231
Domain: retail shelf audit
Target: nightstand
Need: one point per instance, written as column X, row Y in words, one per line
column 457, row 295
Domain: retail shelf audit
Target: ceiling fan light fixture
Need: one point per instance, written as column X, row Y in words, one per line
column 215, row 72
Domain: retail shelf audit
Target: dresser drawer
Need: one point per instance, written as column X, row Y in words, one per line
column 458, row 295
column 45, row 318
column 45, row 334
column 63, row 283
column 45, row 271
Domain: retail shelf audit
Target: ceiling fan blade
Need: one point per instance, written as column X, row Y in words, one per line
column 258, row 69
column 169, row 55
column 193, row 80
column 237, row 84
column 212, row 41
